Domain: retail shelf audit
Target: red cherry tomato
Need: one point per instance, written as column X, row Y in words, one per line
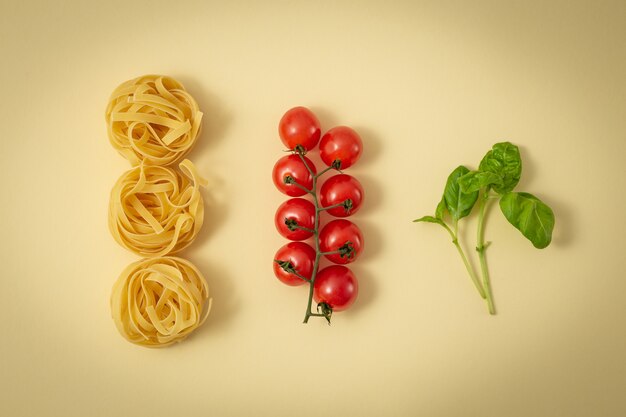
column 292, row 165
column 299, row 126
column 298, row 211
column 300, row 257
column 336, row 286
column 339, row 234
column 341, row 144
column 339, row 188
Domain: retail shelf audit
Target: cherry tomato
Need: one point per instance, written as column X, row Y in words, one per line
column 299, row 211
column 336, row 286
column 299, row 126
column 336, row 235
column 292, row 165
column 339, row 188
column 300, row 256
column 343, row 144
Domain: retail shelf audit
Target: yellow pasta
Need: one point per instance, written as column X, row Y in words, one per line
column 160, row 301
column 155, row 211
column 152, row 119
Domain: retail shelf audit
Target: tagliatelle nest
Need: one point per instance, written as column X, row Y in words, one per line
column 152, row 119
column 155, row 211
column 160, row 301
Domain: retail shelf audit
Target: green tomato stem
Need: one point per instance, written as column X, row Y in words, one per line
column 306, row 229
column 301, row 155
column 481, row 248
column 311, row 282
column 332, row 207
column 324, row 171
column 300, row 186
column 302, row 277
column 318, row 253
column 289, row 268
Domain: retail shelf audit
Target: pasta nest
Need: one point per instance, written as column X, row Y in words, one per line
column 155, row 211
column 160, row 301
column 152, row 119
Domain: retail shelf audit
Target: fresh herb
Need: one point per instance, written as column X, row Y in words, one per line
column 497, row 176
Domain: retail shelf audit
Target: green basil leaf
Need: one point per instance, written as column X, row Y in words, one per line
column 530, row 216
column 458, row 203
column 429, row 219
column 475, row 180
column 441, row 209
column 503, row 160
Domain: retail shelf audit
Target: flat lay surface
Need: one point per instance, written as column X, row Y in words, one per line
column 428, row 85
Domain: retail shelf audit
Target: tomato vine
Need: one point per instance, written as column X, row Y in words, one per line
column 334, row 288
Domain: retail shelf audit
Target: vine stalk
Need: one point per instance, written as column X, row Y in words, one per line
column 318, row 253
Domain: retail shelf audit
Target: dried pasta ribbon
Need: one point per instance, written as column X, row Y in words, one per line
column 152, row 119
column 159, row 301
column 155, row 211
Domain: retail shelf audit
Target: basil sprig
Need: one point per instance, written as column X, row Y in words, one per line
column 498, row 174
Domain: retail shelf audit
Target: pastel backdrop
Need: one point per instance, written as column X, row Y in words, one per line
column 428, row 85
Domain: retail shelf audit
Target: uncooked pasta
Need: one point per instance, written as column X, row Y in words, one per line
column 152, row 119
column 155, row 211
column 160, row 301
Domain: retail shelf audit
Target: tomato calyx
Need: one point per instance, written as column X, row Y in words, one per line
column 286, row 266
column 346, row 250
column 292, row 181
column 289, row 268
column 325, row 310
column 336, row 165
column 293, row 225
column 300, row 150
column 347, row 205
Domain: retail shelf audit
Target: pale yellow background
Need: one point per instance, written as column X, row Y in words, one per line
column 429, row 85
